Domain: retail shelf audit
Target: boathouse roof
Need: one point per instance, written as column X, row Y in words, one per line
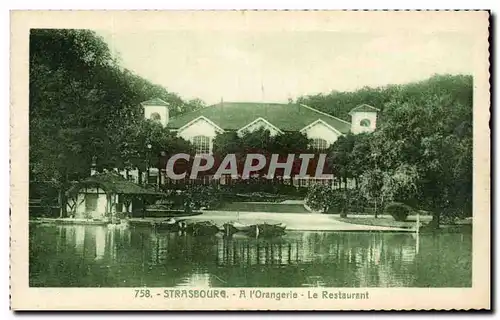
column 112, row 183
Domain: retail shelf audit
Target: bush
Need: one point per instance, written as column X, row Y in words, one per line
column 318, row 198
column 399, row 211
column 324, row 199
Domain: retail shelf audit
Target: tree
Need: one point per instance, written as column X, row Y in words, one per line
column 371, row 185
column 421, row 152
column 362, row 156
column 260, row 141
column 340, row 157
column 82, row 105
column 226, row 143
column 324, row 199
column 427, row 129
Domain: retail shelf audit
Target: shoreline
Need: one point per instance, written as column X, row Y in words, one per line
column 293, row 221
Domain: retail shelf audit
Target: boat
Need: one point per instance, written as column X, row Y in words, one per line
column 204, row 228
column 184, row 226
column 271, row 230
column 266, row 230
column 231, row 228
column 168, row 225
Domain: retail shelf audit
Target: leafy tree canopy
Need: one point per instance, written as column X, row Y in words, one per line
column 83, row 104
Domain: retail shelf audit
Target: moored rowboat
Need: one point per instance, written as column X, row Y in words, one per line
column 205, row 228
column 271, row 230
column 169, row 225
column 231, row 228
column 265, row 230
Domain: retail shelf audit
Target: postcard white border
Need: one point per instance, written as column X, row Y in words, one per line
column 26, row 298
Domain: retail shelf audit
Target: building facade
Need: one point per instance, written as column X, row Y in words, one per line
column 200, row 127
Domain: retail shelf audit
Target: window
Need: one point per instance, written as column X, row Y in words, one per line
column 91, row 200
column 152, row 179
column 155, row 116
column 365, row 123
column 201, row 144
column 319, row 144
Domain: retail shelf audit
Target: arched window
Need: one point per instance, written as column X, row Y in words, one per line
column 365, row 123
column 155, row 116
column 319, row 144
column 201, row 144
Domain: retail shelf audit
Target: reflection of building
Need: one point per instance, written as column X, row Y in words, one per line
column 93, row 242
column 138, row 257
column 100, row 242
column 234, row 252
column 196, row 280
column 79, row 239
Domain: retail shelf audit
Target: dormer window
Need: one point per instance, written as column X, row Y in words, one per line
column 155, row 116
column 365, row 123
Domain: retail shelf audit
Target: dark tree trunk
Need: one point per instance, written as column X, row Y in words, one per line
column 139, row 177
column 143, row 208
column 436, row 220
column 62, row 196
column 62, row 204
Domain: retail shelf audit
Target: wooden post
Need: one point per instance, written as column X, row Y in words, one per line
column 143, row 207
column 418, row 232
column 61, row 202
column 108, row 205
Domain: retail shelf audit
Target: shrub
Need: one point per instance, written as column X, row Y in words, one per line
column 318, row 198
column 324, row 199
column 399, row 211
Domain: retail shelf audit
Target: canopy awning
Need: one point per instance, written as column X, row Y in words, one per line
column 112, row 183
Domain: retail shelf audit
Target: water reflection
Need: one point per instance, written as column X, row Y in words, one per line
column 102, row 256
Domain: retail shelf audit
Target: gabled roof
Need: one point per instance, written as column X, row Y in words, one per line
column 155, row 102
column 260, row 119
column 236, row 115
column 364, row 108
column 112, row 183
column 203, row 118
column 317, row 122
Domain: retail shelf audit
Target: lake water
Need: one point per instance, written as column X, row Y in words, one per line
column 95, row 256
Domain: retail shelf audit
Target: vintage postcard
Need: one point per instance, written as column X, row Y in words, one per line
column 250, row 160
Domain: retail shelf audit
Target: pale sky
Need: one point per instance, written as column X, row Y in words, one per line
column 236, row 65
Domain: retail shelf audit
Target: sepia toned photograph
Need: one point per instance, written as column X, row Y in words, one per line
column 283, row 167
